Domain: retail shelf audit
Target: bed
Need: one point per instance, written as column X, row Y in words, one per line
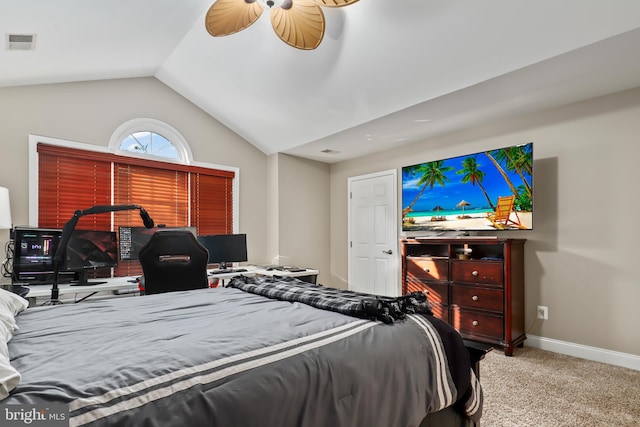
column 231, row 356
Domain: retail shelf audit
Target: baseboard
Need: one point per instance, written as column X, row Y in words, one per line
column 585, row 352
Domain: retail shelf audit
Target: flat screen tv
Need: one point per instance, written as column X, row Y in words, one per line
column 488, row 190
column 33, row 254
column 89, row 250
column 225, row 249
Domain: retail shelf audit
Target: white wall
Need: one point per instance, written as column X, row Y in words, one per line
column 581, row 255
column 303, row 214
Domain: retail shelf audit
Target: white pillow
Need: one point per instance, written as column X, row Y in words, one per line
column 9, row 377
column 10, row 305
column 13, row 302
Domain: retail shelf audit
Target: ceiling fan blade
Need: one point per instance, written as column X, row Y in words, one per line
column 335, row 3
column 301, row 25
column 230, row 16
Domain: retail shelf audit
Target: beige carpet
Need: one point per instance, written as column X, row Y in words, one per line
column 540, row 388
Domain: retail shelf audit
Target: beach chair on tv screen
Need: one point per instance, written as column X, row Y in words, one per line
column 501, row 218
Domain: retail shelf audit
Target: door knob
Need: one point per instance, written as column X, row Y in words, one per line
column 388, row 252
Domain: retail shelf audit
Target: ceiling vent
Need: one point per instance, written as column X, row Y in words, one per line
column 21, row 41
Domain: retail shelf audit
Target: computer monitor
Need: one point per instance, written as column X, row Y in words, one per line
column 225, row 248
column 132, row 239
column 89, row 250
column 34, row 249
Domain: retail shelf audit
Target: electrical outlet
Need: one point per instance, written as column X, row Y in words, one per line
column 543, row 312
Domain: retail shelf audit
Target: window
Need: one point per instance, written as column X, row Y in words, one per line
column 150, row 138
column 149, row 143
column 172, row 194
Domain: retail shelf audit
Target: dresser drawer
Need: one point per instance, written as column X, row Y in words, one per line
column 428, row 268
column 440, row 311
column 477, row 298
column 470, row 323
column 437, row 292
column 488, row 272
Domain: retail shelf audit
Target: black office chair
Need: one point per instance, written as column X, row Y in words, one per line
column 173, row 260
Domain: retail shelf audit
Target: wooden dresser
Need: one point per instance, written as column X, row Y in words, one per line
column 480, row 294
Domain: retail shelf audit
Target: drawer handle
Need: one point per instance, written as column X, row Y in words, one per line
column 474, row 272
column 475, row 297
column 474, row 323
column 426, row 269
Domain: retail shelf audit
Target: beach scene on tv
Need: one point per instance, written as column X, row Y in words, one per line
column 490, row 190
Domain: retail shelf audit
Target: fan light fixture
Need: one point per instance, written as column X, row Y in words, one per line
column 299, row 23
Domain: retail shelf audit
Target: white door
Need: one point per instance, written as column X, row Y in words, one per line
column 373, row 234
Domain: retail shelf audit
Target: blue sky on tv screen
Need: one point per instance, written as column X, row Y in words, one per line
column 454, row 191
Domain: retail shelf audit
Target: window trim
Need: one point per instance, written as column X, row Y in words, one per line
column 151, row 125
column 33, row 172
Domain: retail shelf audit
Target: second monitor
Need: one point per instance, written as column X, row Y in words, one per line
column 88, row 251
column 225, row 248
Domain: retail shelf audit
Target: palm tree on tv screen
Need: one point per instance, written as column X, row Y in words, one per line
column 474, row 175
column 518, row 160
column 515, row 159
column 432, row 173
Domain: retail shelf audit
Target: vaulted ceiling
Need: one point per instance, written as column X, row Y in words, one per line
column 387, row 73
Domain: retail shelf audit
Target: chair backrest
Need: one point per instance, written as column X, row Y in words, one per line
column 504, row 207
column 173, row 260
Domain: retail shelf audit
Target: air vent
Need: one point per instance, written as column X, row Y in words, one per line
column 21, row 41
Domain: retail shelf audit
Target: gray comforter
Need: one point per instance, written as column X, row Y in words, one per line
column 222, row 357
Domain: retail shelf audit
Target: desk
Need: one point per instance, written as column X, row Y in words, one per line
column 124, row 284
column 224, row 276
column 308, row 275
column 112, row 284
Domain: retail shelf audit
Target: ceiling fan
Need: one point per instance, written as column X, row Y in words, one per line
column 299, row 23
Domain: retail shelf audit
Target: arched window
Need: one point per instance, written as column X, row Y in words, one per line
column 148, row 163
column 149, row 143
column 151, row 138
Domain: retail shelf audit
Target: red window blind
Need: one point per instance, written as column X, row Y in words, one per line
column 67, row 183
column 164, row 194
column 211, row 204
column 172, row 194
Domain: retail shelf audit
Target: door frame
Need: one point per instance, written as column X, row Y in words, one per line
column 393, row 218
